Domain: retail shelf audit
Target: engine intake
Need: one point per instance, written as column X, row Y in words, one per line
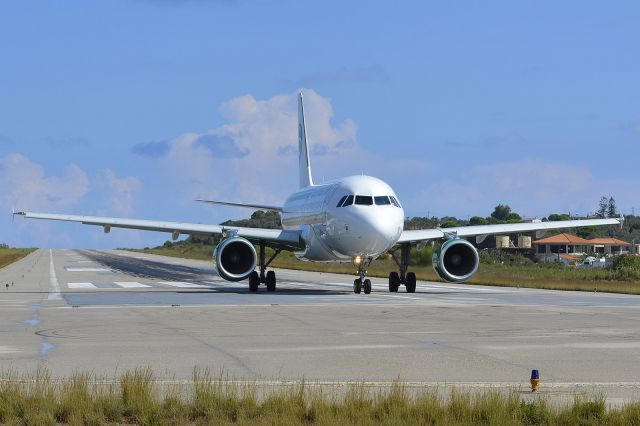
column 235, row 258
column 456, row 260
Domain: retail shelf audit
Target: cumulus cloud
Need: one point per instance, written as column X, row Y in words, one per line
column 120, row 192
column 255, row 150
column 23, row 183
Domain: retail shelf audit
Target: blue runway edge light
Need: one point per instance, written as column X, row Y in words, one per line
column 535, row 374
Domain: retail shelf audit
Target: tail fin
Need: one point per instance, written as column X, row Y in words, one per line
column 304, row 164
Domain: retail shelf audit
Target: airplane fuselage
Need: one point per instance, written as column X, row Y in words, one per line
column 339, row 220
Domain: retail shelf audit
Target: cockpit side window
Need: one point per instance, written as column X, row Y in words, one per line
column 382, row 200
column 344, row 197
column 394, row 201
column 348, row 201
column 364, row 200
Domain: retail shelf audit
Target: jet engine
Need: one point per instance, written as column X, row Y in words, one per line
column 456, row 260
column 235, row 258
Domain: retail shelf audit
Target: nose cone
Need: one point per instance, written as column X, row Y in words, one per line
column 377, row 230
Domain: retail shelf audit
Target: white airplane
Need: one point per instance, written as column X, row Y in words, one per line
column 354, row 219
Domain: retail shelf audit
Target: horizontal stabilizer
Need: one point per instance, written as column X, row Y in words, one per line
column 249, row 206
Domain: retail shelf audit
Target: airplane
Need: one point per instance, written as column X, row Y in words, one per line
column 352, row 219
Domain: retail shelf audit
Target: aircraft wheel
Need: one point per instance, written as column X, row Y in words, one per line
column 367, row 286
column 394, row 282
column 254, row 282
column 357, row 286
column 270, row 281
column 411, row 282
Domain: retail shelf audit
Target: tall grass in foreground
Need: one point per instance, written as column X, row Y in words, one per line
column 136, row 398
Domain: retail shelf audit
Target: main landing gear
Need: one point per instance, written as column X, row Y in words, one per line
column 406, row 278
column 266, row 277
column 362, row 283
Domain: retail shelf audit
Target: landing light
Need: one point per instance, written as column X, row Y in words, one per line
column 357, row 260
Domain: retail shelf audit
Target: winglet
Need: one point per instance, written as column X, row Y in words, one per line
column 304, row 164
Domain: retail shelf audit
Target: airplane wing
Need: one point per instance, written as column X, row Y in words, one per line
column 416, row 236
column 275, row 237
column 250, row 206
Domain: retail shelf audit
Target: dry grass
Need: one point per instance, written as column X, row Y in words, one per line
column 10, row 255
column 136, row 398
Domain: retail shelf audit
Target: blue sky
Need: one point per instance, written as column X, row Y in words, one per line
column 135, row 107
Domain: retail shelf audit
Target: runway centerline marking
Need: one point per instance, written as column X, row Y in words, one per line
column 54, row 286
column 87, row 269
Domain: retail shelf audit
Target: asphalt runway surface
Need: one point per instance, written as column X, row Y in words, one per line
column 108, row 311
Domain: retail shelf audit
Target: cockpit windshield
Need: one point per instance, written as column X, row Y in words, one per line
column 366, row 200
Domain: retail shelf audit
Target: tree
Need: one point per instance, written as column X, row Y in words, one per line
column 501, row 212
column 611, row 208
column 477, row 220
column 555, row 217
column 603, row 206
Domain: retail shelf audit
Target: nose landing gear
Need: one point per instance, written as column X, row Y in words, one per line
column 362, row 283
column 406, row 278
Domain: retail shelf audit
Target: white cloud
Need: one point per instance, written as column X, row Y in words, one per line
column 120, row 192
column 24, row 184
column 243, row 159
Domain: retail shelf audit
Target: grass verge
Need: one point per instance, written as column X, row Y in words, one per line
column 136, row 398
column 10, row 255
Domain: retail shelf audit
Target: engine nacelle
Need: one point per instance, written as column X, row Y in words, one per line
column 456, row 260
column 235, row 258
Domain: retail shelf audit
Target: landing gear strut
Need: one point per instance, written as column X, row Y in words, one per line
column 406, row 278
column 362, row 283
column 266, row 277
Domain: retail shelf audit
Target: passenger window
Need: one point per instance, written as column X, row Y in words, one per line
column 382, row 200
column 348, row 201
column 344, row 197
column 364, row 200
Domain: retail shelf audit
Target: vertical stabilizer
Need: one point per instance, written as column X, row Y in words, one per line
column 304, row 164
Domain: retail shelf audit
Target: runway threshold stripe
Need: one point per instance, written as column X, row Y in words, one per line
column 182, row 284
column 130, row 284
column 81, row 285
column 88, row 269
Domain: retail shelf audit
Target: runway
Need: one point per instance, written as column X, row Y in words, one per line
column 108, row 311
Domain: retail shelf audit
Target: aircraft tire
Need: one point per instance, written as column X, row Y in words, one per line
column 270, row 281
column 367, row 286
column 394, row 282
column 254, row 282
column 411, row 283
column 357, row 286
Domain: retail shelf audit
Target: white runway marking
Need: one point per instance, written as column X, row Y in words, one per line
column 88, row 269
column 8, row 350
column 182, row 284
column 81, row 285
column 130, row 284
column 327, row 348
column 54, row 286
column 85, row 261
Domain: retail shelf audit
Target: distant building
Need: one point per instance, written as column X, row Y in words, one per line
column 561, row 243
column 564, row 247
column 610, row 246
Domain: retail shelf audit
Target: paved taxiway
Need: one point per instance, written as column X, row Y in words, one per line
column 106, row 311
